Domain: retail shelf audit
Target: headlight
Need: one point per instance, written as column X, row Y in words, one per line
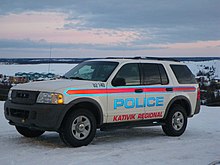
column 50, row 98
column 9, row 94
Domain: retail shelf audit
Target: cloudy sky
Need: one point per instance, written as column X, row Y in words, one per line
column 98, row 28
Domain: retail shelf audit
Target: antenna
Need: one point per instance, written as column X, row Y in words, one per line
column 49, row 59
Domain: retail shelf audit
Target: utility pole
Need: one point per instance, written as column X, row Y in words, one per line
column 49, row 59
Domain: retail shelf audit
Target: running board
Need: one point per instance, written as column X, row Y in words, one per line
column 130, row 124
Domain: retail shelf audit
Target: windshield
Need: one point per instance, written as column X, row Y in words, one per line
column 92, row 71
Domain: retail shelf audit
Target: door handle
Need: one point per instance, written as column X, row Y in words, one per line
column 138, row 90
column 169, row 89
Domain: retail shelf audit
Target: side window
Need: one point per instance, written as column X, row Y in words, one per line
column 151, row 74
column 183, row 74
column 163, row 75
column 128, row 75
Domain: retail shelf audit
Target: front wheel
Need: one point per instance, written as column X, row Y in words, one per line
column 79, row 128
column 175, row 122
column 27, row 132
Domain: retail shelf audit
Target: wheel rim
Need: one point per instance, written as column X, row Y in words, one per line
column 81, row 127
column 177, row 121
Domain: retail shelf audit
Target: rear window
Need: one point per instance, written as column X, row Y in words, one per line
column 183, row 74
column 154, row 74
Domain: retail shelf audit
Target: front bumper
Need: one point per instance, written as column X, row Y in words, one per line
column 39, row 116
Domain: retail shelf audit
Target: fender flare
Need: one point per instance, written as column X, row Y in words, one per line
column 176, row 99
column 77, row 101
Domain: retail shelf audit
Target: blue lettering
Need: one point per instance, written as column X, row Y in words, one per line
column 151, row 102
column 118, row 103
column 159, row 101
column 129, row 103
column 145, row 102
column 139, row 105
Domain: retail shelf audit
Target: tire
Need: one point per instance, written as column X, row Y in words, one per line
column 27, row 132
column 176, row 121
column 79, row 128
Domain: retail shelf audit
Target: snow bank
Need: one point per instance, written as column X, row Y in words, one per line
column 60, row 69
column 200, row 145
column 196, row 66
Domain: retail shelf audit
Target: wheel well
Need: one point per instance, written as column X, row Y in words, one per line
column 87, row 105
column 184, row 103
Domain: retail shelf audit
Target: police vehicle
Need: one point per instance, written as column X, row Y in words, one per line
column 106, row 94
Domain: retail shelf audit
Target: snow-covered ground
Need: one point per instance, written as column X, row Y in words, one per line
column 199, row 145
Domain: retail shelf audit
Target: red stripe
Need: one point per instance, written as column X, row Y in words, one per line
column 184, row 89
column 125, row 90
column 100, row 91
column 154, row 89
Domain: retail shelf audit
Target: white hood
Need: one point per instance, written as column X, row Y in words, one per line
column 54, row 85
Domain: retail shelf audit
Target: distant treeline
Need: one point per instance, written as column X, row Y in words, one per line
column 41, row 60
column 78, row 60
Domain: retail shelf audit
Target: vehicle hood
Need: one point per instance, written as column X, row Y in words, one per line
column 55, row 85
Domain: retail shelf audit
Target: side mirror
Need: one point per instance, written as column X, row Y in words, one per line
column 118, row 82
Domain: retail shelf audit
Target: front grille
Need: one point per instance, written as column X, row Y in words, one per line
column 19, row 113
column 24, row 97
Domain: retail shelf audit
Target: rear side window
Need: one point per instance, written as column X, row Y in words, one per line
column 163, row 75
column 154, row 74
column 183, row 74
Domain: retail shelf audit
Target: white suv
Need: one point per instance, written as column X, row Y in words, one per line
column 106, row 94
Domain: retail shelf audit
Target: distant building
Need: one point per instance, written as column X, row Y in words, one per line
column 17, row 79
column 35, row 76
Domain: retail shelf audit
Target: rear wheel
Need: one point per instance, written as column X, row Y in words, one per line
column 79, row 128
column 27, row 132
column 176, row 121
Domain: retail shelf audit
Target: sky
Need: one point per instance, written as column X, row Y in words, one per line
column 101, row 28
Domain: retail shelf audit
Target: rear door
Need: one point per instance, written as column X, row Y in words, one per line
column 158, row 90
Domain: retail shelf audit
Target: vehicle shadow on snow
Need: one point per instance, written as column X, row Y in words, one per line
column 52, row 140
column 123, row 135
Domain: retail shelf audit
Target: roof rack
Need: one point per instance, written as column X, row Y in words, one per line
column 123, row 58
column 146, row 58
column 162, row 58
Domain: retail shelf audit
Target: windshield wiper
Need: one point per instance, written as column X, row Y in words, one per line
column 77, row 78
